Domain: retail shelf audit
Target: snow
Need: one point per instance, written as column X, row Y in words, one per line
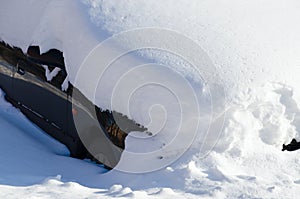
column 50, row 74
column 248, row 50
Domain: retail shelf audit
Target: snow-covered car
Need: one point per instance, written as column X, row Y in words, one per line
column 37, row 84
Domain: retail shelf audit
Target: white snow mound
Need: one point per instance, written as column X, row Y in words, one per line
column 236, row 151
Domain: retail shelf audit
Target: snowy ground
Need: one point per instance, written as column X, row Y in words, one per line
column 253, row 46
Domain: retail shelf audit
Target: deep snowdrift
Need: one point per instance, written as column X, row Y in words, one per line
column 254, row 48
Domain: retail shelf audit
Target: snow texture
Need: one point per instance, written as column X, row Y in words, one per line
column 254, row 46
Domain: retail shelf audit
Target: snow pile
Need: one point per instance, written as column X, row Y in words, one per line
column 245, row 39
column 253, row 46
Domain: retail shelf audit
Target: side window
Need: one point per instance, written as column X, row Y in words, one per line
column 55, row 76
column 24, row 66
column 8, row 66
column 7, row 54
column 53, row 65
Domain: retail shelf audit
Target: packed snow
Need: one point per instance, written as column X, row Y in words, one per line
column 252, row 50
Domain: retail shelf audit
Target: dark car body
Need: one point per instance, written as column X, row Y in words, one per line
column 84, row 128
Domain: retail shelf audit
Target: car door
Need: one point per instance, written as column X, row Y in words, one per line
column 42, row 97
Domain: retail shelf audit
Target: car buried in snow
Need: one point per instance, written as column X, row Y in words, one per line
column 30, row 85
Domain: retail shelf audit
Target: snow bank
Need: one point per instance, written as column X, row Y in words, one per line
column 254, row 50
column 249, row 42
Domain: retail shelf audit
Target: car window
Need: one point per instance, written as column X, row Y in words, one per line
column 7, row 53
column 59, row 76
column 52, row 64
column 30, row 67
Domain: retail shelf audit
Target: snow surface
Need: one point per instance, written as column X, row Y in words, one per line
column 254, row 47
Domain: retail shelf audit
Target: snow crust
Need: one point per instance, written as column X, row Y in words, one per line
column 254, row 47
